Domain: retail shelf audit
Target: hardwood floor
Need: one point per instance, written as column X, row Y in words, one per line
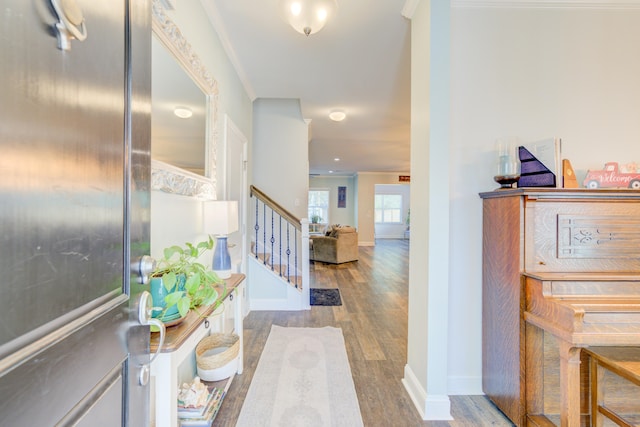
column 373, row 319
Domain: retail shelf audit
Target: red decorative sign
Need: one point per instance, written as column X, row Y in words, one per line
column 404, row 178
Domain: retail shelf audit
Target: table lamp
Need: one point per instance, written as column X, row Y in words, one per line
column 220, row 218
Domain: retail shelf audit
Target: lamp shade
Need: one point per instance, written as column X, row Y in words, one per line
column 220, row 217
column 308, row 16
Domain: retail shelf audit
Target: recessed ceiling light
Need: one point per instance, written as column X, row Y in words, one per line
column 337, row 115
column 337, row 159
column 183, row 112
column 330, row 171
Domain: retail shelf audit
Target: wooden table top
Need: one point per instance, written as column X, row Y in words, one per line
column 178, row 334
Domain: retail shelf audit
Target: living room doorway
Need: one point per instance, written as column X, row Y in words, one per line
column 391, row 211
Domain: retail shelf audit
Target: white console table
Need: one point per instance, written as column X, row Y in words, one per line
column 178, row 350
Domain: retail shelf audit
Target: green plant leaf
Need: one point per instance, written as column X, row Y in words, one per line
column 210, row 296
column 169, row 280
column 183, row 306
column 193, row 283
column 171, row 251
column 173, row 298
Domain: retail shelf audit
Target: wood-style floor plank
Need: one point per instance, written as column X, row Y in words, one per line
column 373, row 319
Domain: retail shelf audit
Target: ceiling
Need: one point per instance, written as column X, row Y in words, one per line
column 359, row 63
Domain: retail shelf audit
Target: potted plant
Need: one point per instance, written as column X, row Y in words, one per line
column 315, row 219
column 185, row 283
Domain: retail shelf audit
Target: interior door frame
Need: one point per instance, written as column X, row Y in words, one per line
column 230, row 130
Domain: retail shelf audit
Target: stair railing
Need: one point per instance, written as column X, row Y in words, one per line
column 278, row 239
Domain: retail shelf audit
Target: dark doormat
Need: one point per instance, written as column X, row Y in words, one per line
column 327, row 297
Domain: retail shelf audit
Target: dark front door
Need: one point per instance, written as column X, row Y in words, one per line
column 74, row 203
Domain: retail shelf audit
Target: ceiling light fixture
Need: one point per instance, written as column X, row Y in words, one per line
column 337, row 159
column 183, row 112
column 337, row 115
column 308, row 16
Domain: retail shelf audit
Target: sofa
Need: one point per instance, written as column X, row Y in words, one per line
column 338, row 245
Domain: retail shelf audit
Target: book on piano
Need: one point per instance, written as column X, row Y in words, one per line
column 541, row 164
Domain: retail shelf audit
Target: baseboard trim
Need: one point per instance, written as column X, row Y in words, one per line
column 366, row 243
column 430, row 407
column 464, row 386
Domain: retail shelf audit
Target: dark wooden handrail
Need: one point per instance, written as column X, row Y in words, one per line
column 253, row 191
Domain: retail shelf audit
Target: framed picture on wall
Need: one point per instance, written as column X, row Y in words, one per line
column 342, row 197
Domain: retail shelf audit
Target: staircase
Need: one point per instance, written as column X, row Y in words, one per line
column 279, row 261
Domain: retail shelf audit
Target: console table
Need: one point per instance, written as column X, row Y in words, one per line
column 176, row 362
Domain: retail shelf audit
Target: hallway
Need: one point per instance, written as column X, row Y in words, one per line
column 373, row 319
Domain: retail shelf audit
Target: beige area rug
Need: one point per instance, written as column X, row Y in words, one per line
column 303, row 379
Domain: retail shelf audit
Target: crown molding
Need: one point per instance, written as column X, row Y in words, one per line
column 409, row 8
column 548, row 4
column 219, row 27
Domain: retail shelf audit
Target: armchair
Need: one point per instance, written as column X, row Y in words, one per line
column 341, row 245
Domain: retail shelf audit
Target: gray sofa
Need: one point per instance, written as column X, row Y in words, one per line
column 341, row 245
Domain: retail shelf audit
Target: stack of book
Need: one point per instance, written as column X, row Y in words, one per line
column 203, row 414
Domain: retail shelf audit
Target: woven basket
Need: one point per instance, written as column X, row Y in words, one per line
column 213, row 341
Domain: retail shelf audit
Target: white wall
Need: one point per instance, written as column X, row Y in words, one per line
column 346, row 215
column 427, row 357
column 281, row 150
column 532, row 73
column 176, row 219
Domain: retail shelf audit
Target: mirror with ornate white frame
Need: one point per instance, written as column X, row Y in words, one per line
column 182, row 149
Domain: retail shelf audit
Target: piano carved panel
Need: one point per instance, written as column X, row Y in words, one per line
column 582, row 236
column 598, row 236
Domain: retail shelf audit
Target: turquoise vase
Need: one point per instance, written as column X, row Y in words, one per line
column 158, row 294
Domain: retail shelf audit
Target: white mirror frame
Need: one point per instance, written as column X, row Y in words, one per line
column 169, row 178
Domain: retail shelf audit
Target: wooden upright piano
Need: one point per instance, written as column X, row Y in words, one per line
column 561, row 271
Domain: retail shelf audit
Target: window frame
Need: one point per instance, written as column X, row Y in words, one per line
column 375, row 209
column 326, row 209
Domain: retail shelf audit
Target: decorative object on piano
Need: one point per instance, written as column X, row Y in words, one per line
column 181, row 264
column 614, row 176
column 541, row 163
column 508, row 165
column 568, row 175
column 217, row 356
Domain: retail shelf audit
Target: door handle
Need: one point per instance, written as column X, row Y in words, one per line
column 71, row 24
column 145, row 308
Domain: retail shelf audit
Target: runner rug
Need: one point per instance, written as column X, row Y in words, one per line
column 303, row 379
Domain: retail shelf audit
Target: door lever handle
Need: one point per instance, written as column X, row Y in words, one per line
column 71, row 23
column 145, row 308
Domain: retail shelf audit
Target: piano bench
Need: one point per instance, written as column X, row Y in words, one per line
column 615, row 385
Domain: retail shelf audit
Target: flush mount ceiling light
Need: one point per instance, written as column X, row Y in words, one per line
column 308, row 16
column 337, row 115
column 183, row 112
